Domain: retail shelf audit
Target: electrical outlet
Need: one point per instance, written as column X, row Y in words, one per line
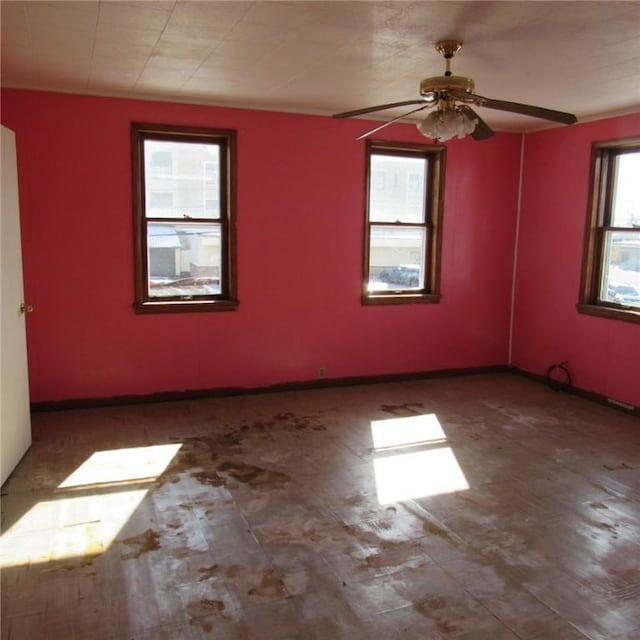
column 321, row 372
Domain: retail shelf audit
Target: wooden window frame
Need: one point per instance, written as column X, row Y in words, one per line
column 434, row 206
column 603, row 155
column 226, row 300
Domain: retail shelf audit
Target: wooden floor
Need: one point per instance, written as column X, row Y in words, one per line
column 479, row 507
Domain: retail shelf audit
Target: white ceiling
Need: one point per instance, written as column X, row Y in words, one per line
column 326, row 57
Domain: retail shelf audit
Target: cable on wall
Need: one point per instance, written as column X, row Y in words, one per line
column 515, row 253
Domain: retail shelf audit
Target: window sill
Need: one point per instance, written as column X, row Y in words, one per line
column 615, row 313
column 182, row 306
column 402, row 298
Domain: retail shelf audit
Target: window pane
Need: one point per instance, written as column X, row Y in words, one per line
column 396, row 258
column 621, row 268
column 397, row 189
column 184, row 174
column 161, row 203
column 160, row 163
column 184, row 259
column 626, row 193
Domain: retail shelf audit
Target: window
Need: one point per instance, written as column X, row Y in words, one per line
column 611, row 265
column 405, row 184
column 184, row 208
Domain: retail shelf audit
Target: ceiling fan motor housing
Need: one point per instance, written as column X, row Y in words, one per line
column 446, row 83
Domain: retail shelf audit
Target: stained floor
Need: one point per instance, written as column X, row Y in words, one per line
column 479, row 507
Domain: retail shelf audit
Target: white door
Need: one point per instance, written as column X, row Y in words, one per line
column 15, row 420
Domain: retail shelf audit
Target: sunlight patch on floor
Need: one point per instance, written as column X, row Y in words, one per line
column 413, row 460
column 405, row 432
column 122, row 465
column 89, row 508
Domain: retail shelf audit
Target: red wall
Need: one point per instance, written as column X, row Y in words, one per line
column 300, row 245
column 603, row 354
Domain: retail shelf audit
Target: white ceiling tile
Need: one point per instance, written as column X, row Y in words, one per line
column 69, row 43
column 135, row 15
column 162, row 78
column 104, row 50
column 213, row 74
column 192, row 36
column 218, row 15
column 203, row 86
column 109, row 68
column 239, row 51
column 110, row 32
column 216, row 61
column 14, row 18
column 281, row 14
column 15, row 39
column 354, row 52
column 67, row 14
column 183, row 63
column 160, row 5
column 62, row 75
column 258, row 33
column 247, row 77
column 287, row 66
column 312, row 56
column 301, row 48
column 192, row 51
column 20, row 66
column 113, row 82
column 364, row 16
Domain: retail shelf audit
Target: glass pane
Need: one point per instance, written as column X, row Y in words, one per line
column 184, row 259
column 397, row 189
column 182, row 179
column 621, row 268
column 396, row 258
column 626, row 193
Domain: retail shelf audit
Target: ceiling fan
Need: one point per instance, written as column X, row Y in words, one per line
column 452, row 95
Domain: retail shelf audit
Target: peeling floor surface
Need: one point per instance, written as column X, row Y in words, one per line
column 479, row 507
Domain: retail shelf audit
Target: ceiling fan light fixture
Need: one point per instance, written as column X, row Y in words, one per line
column 447, row 123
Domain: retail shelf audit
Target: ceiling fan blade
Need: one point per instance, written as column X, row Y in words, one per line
column 388, row 122
column 482, row 131
column 515, row 107
column 429, row 99
column 529, row 110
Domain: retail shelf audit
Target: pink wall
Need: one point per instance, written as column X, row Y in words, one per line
column 300, row 226
column 603, row 354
